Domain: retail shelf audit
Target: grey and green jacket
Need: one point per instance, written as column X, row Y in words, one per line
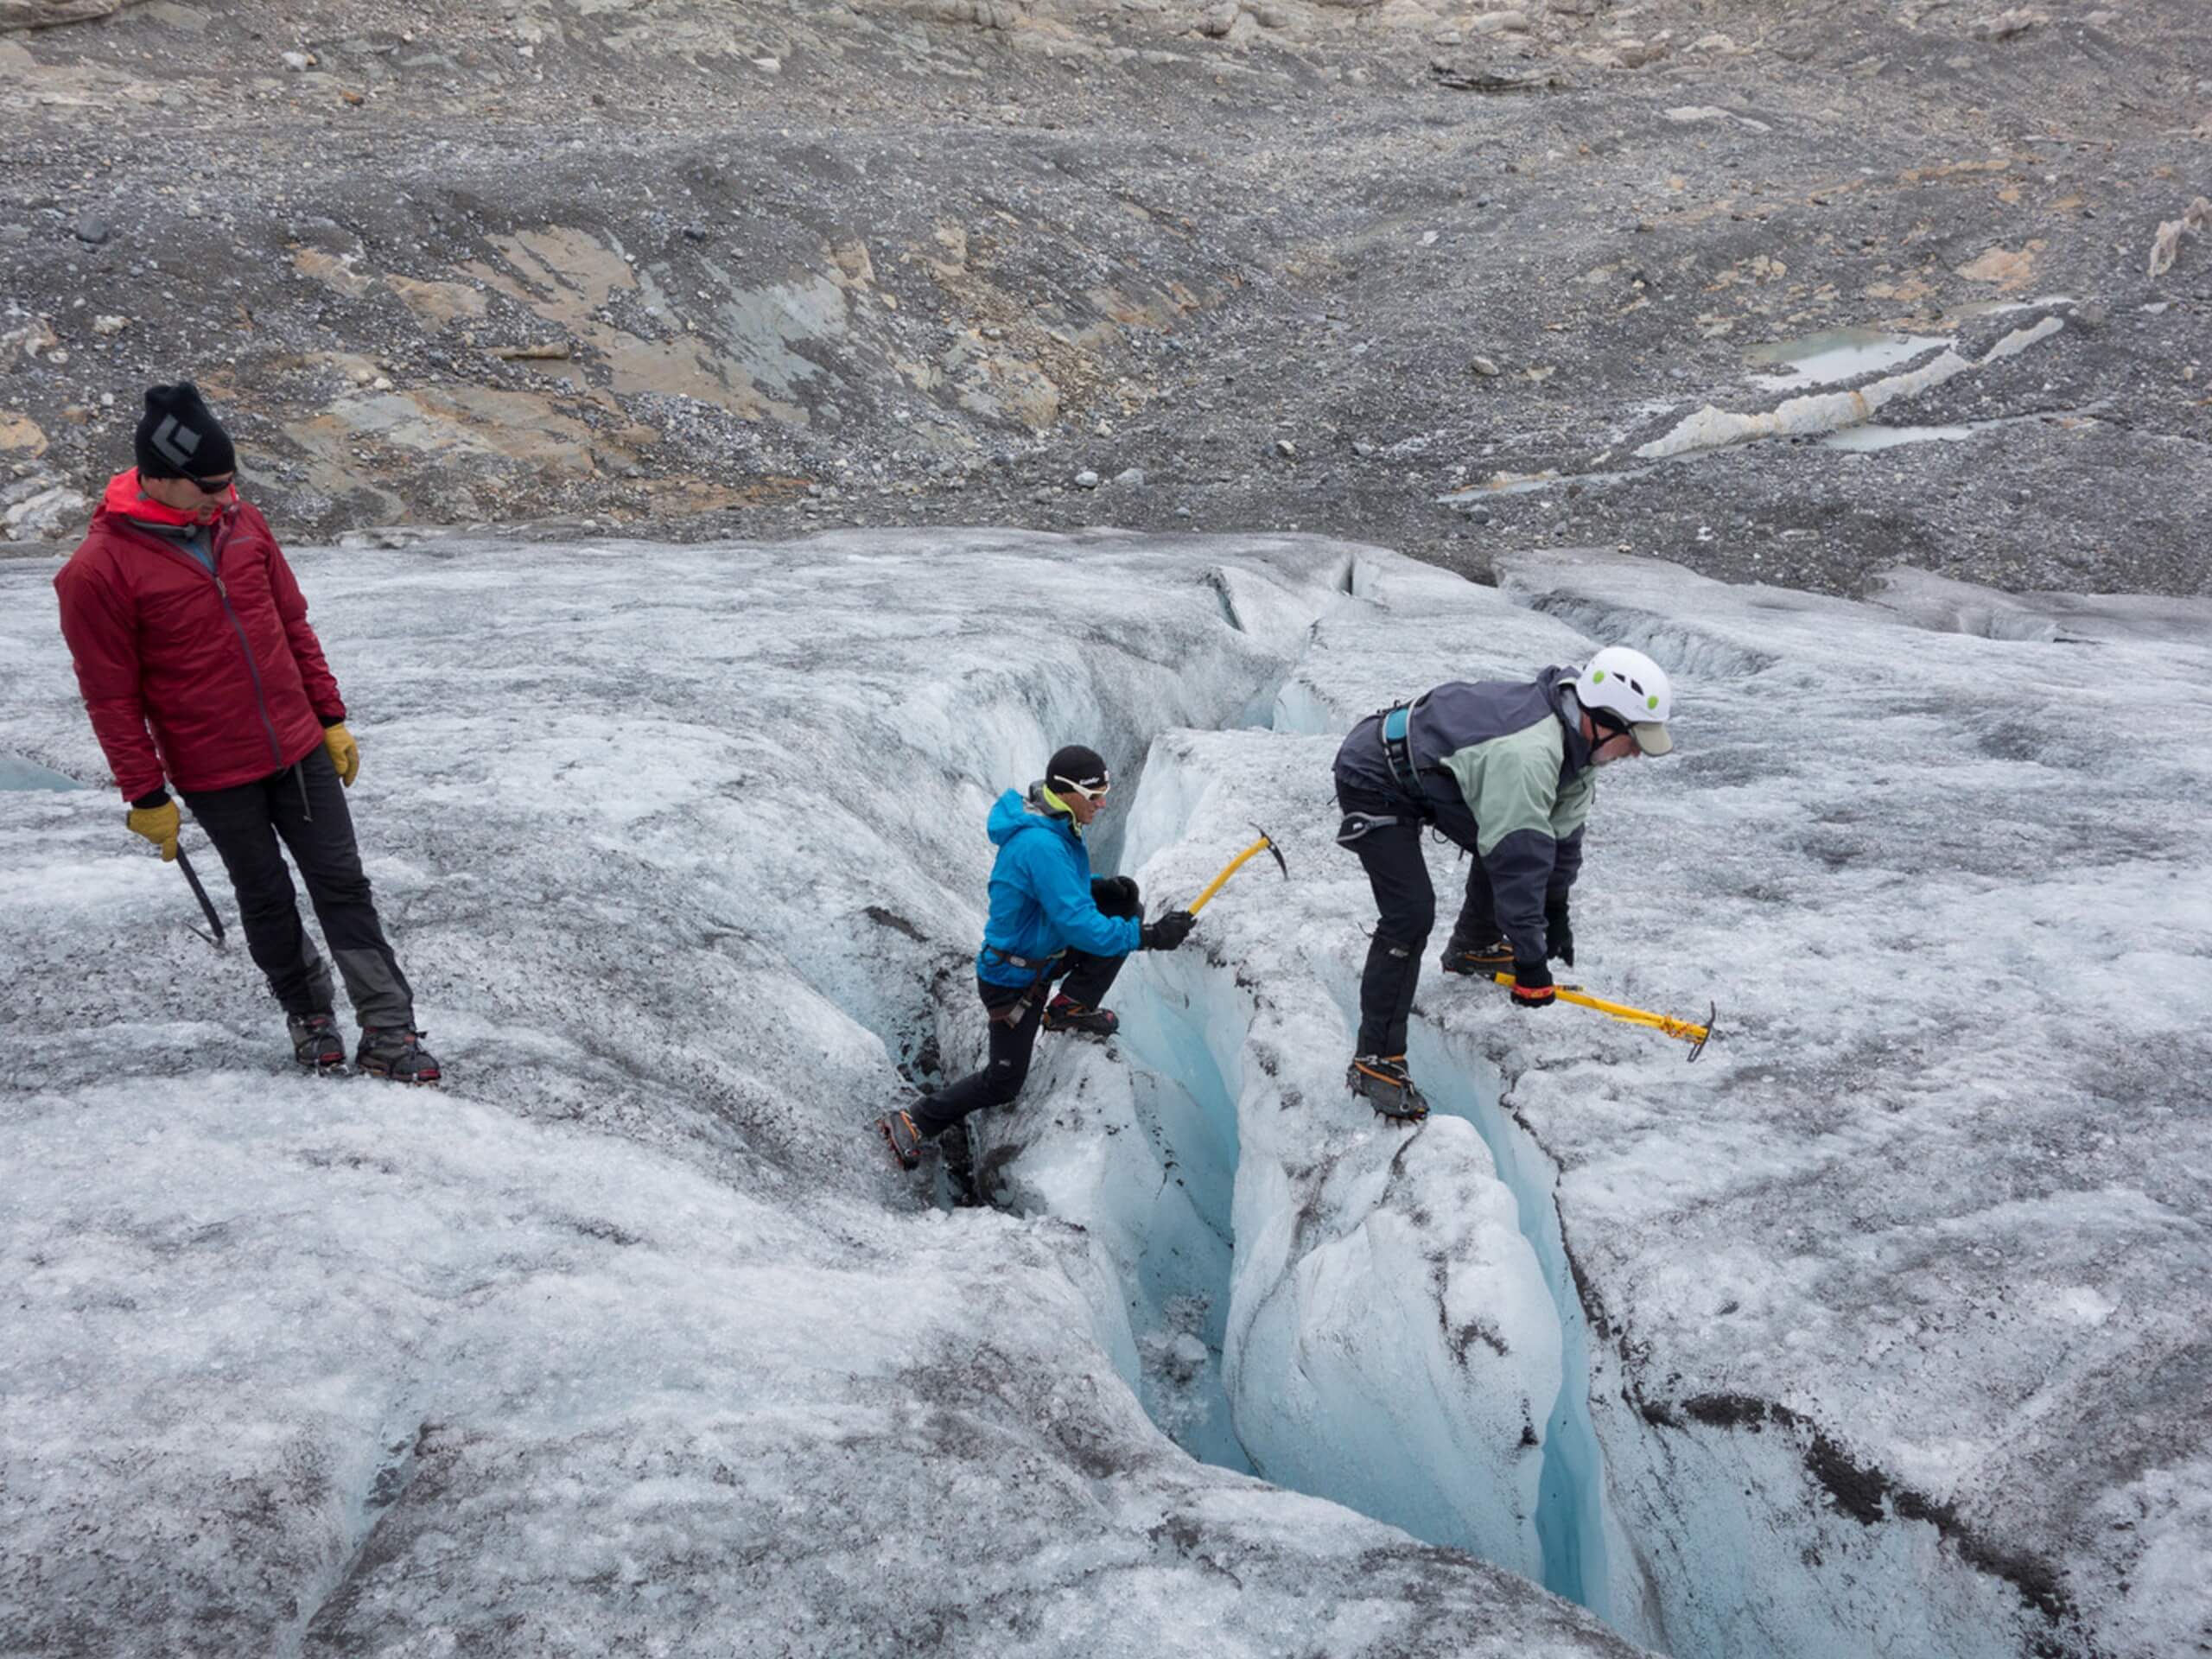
column 1504, row 770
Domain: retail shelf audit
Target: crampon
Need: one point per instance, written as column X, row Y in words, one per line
column 1380, row 1080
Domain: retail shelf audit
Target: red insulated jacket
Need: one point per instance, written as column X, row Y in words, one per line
column 224, row 668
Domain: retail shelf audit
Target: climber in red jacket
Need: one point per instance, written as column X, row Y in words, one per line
column 199, row 669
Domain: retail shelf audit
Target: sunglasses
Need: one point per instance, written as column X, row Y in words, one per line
column 212, row 485
column 1092, row 792
column 1609, row 727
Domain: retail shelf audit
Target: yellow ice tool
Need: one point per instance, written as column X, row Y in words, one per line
column 1697, row 1036
column 1264, row 844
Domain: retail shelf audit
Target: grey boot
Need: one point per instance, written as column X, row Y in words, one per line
column 316, row 1042
column 1381, row 1081
column 395, row 1053
column 1461, row 957
column 904, row 1139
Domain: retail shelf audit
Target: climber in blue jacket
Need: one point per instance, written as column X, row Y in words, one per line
column 1049, row 918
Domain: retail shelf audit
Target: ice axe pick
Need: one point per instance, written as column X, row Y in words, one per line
column 1264, row 844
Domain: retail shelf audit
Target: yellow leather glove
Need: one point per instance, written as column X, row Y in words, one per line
column 159, row 825
column 345, row 752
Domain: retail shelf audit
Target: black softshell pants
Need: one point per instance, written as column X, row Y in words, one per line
column 304, row 806
column 1015, row 1016
column 1405, row 900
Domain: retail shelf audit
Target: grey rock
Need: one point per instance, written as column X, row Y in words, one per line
column 1086, row 479
column 91, row 227
column 45, row 14
column 2003, row 25
column 55, row 510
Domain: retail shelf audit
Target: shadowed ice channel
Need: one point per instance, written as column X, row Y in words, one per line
column 16, row 772
column 1192, row 1112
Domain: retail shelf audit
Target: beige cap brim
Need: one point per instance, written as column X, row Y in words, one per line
column 1652, row 737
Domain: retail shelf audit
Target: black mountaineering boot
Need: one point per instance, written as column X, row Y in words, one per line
column 1066, row 1014
column 905, row 1141
column 1495, row 958
column 395, row 1053
column 1381, row 1081
column 959, row 1165
column 316, row 1042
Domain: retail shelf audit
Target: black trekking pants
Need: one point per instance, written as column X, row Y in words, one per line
column 305, row 805
column 1405, row 900
column 1015, row 1015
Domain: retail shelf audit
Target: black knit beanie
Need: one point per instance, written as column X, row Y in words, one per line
column 1077, row 765
column 179, row 436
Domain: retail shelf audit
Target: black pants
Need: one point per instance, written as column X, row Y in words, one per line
column 1014, row 1015
column 305, row 805
column 1405, row 899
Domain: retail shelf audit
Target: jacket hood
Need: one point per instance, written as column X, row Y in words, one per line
column 1012, row 813
column 123, row 499
column 1558, row 687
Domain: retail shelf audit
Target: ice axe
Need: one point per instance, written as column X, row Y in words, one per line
column 206, row 905
column 1264, row 844
column 1697, row 1036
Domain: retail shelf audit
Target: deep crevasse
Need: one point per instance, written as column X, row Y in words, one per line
column 1404, row 1331
column 1375, row 1326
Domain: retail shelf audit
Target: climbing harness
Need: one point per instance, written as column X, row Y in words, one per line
column 1039, row 969
column 1356, row 825
column 1397, row 747
column 993, row 954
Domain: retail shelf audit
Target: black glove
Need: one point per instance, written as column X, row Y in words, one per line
column 1558, row 931
column 1532, row 986
column 1115, row 895
column 1169, row 931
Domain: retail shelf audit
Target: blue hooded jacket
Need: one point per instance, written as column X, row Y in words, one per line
column 1040, row 895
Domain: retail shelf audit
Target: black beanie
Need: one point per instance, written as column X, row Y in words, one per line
column 179, row 436
column 1077, row 765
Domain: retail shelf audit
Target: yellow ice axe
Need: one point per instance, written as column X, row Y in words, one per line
column 1688, row 1031
column 1264, row 844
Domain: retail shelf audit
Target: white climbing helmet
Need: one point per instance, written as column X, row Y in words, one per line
column 1631, row 687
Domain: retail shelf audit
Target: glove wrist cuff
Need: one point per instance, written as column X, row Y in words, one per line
column 147, row 802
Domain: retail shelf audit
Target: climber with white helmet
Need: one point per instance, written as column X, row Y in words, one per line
column 1506, row 770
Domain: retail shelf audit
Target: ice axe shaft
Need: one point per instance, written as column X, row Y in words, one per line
column 207, row 905
column 1264, row 844
column 1687, row 1031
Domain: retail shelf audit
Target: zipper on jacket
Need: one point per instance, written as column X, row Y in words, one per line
column 215, row 558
